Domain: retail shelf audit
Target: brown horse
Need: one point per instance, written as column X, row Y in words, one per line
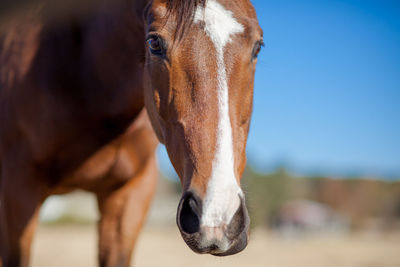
column 72, row 99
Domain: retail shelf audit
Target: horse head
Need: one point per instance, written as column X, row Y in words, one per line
column 199, row 77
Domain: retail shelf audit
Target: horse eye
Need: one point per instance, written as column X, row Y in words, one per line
column 257, row 49
column 155, row 45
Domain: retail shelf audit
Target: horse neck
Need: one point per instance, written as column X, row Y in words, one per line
column 114, row 48
column 92, row 60
column 105, row 60
column 85, row 73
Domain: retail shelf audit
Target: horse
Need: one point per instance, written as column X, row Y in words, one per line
column 84, row 101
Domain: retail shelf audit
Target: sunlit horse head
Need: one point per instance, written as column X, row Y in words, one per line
column 199, row 73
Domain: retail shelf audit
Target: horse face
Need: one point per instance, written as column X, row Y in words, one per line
column 199, row 90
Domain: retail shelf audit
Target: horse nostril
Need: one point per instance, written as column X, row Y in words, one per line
column 189, row 214
column 240, row 221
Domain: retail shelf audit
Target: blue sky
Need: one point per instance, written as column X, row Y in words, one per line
column 327, row 92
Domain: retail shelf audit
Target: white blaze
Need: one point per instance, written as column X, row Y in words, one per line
column 222, row 196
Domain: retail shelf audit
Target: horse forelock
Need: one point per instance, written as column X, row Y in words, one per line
column 183, row 11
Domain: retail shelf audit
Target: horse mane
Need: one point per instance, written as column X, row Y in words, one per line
column 183, row 11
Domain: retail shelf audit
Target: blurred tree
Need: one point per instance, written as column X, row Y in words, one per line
column 359, row 200
column 265, row 194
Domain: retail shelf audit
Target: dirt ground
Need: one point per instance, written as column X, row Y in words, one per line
column 74, row 245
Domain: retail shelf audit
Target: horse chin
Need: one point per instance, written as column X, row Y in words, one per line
column 235, row 246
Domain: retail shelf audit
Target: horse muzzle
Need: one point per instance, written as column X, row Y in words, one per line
column 222, row 240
